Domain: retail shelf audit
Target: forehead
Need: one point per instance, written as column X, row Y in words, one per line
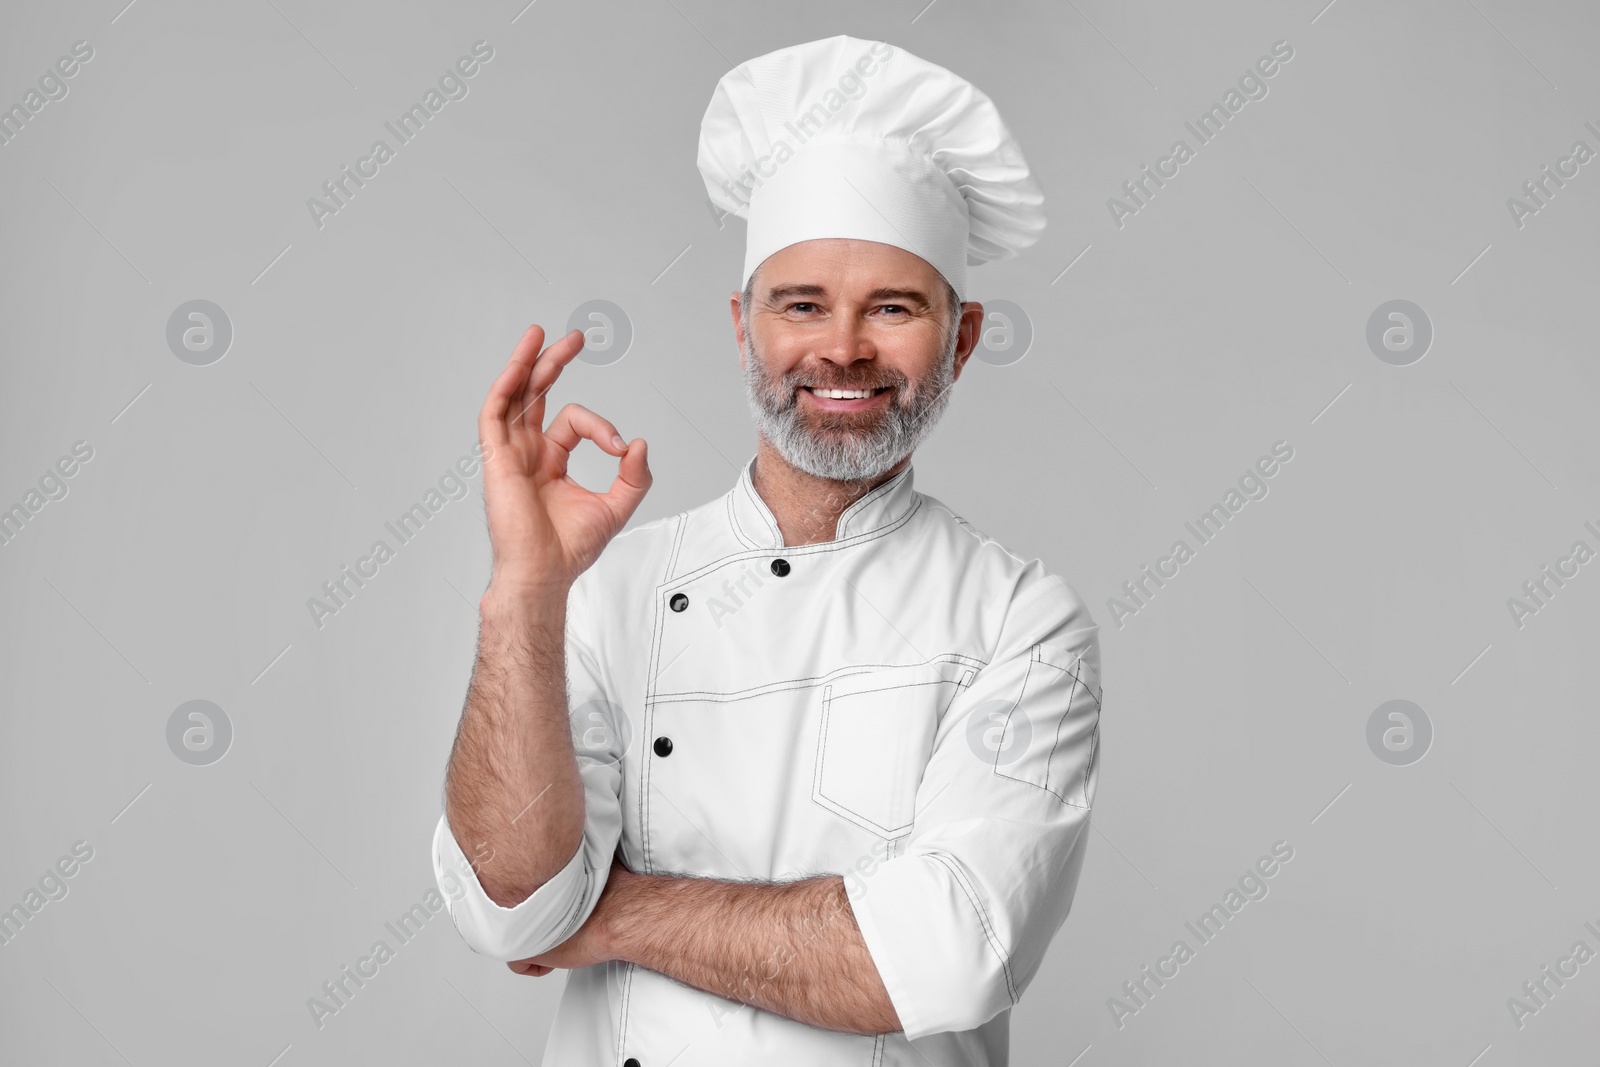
column 844, row 265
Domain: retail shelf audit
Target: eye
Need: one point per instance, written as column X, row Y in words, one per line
column 801, row 306
column 893, row 307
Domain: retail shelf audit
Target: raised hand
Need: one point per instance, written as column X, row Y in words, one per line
column 545, row 528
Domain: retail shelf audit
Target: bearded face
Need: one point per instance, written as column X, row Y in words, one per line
column 833, row 384
column 846, row 445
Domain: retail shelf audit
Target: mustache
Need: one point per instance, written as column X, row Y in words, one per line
column 794, row 382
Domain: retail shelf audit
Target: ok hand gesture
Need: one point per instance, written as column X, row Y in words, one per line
column 545, row 528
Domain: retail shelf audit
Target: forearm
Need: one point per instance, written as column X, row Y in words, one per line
column 513, row 795
column 790, row 948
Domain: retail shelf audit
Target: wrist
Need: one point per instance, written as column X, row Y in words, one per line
column 619, row 919
column 513, row 593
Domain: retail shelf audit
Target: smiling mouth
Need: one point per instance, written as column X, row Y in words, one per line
column 844, row 394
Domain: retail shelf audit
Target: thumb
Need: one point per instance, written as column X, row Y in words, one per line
column 632, row 482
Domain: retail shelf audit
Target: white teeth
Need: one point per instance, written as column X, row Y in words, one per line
column 843, row 394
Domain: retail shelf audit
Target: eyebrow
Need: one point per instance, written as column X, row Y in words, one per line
column 903, row 296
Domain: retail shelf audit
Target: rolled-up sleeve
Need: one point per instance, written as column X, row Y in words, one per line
column 959, row 921
column 557, row 909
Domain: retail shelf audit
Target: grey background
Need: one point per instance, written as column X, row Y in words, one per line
column 1228, row 314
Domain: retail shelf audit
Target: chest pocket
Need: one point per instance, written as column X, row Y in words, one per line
column 875, row 735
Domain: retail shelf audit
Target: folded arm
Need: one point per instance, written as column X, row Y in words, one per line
column 791, row 948
column 945, row 935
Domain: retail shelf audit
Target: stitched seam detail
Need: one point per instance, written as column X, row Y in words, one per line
column 1077, row 682
column 649, row 705
column 762, row 511
column 1079, row 670
column 983, row 917
column 855, row 510
column 571, row 921
column 854, row 670
column 627, row 997
column 830, row 803
column 1094, row 738
column 983, row 538
column 799, row 551
column 1055, row 742
column 677, row 544
column 822, row 743
column 834, row 803
column 733, row 522
column 1088, row 774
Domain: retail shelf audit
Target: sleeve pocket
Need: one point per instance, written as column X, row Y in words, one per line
column 1057, row 718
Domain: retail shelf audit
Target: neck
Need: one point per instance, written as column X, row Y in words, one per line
column 807, row 507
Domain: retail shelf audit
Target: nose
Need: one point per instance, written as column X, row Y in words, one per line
column 845, row 341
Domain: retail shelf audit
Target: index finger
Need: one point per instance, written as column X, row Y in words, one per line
column 508, row 387
column 546, row 369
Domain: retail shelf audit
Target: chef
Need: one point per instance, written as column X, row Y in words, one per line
column 802, row 775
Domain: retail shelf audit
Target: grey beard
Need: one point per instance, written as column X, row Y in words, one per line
column 846, row 448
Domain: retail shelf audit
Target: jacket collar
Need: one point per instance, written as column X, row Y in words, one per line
column 884, row 506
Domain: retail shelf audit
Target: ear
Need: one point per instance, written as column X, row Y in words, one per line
column 738, row 327
column 968, row 333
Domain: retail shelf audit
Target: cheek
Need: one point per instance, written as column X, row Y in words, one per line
column 912, row 344
column 780, row 354
column 910, row 358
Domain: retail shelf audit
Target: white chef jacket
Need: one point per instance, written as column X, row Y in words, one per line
column 909, row 705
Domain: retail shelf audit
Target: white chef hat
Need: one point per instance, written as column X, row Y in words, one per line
column 849, row 138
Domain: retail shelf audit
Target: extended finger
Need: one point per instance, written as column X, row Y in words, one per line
column 492, row 428
column 546, row 369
